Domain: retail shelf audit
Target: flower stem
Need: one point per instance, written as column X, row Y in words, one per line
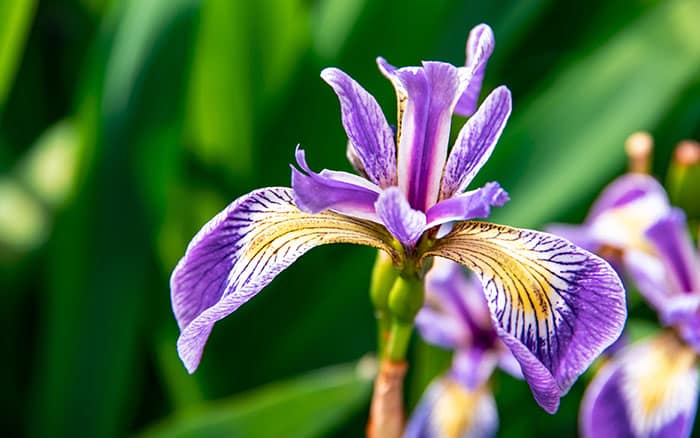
column 402, row 303
column 384, row 275
column 386, row 418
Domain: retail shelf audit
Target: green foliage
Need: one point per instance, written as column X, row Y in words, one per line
column 309, row 406
column 125, row 125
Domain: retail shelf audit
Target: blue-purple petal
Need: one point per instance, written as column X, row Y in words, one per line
column 471, row 205
column 480, row 45
column 649, row 389
column 338, row 191
column 371, row 137
column 427, row 96
column 476, row 142
column 672, row 243
column 556, row 306
column 242, row 249
column 403, row 222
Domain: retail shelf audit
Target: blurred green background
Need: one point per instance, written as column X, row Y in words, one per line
column 125, row 125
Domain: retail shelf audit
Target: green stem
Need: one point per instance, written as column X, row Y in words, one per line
column 399, row 338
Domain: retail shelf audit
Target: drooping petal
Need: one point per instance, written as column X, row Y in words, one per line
column 671, row 240
column 556, row 306
column 480, row 45
column 447, row 409
column 370, row 135
column 476, row 142
column 330, row 190
column 649, row 276
column 427, row 96
column 649, row 389
column 405, row 223
column 471, row 205
column 242, row 249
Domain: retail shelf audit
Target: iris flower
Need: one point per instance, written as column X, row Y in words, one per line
column 648, row 388
column 556, row 306
column 456, row 317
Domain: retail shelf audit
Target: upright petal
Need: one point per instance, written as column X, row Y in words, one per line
column 672, row 242
column 242, row 249
column 447, row 409
column 471, row 205
column 476, row 142
column 427, row 96
column 649, row 389
column 330, row 190
column 480, row 45
column 399, row 218
column 629, row 188
column 370, row 135
column 556, row 306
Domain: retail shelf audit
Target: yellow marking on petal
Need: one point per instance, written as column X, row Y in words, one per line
column 456, row 410
column 508, row 257
column 656, row 380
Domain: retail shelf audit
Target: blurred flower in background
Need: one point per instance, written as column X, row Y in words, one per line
column 650, row 387
column 157, row 113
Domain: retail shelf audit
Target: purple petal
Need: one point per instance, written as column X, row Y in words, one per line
column 241, row 250
column 440, row 328
column 476, row 142
column 370, row 135
column 455, row 314
column 480, row 46
column 449, row 409
column 427, row 96
column 556, row 306
column 672, row 242
column 338, row 191
column 474, row 204
column 629, row 188
column 406, row 224
column 649, row 275
column 473, row 367
column 649, row 389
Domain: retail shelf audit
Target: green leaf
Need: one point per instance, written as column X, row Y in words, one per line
column 570, row 135
column 307, row 406
column 15, row 18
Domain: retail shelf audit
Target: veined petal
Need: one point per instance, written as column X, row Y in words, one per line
column 447, row 409
column 672, row 242
column 480, row 46
column 242, row 249
column 427, row 96
column 579, row 235
column 370, row 135
column 405, row 223
column 476, row 142
column 330, row 190
column 471, row 205
column 556, row 306
column 649, row 389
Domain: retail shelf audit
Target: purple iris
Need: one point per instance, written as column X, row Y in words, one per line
column 456, row 317
column 555, row 305
column 648, row 388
